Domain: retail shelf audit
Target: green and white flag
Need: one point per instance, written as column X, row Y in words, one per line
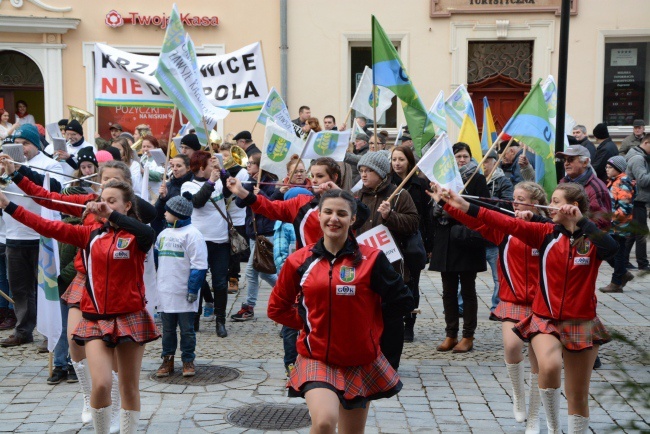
column 331, row 144
column 48, row 315
column 439, row 165
column 365, row 99
column 276, row 110
column 278, row 148
column 457, row 103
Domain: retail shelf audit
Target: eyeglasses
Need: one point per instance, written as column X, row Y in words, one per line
column 570, row 159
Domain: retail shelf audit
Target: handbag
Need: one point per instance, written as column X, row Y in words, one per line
column 238, row 244
column 412, row 248
column 263, row 254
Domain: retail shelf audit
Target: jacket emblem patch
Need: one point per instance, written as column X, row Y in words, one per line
column 347, row 274
column 346, row 289
column 584, row 248
column 123, row 243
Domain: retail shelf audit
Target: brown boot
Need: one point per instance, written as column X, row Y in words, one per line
column 447, row 344
column 465, row 345
column 188, row 369
column 9, row 321
column 166, row 367
column 626, row 278
column 233, row 286
column 611, row 288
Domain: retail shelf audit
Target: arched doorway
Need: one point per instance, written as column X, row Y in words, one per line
column 21, row 79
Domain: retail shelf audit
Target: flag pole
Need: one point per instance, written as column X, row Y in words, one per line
column 207, row 133
column 50, row 360
column 499, row 160
column 78, row 205
column 347, row 116
column 374, row 112
column 6, row 297
column 171, row 143
column 403, row 183
column 482, row 161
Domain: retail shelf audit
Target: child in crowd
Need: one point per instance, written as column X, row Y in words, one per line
column 621, row 190
column 182, row 266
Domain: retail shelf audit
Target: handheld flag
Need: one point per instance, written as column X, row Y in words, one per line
column 457, row 103
column 331, row 144
column 469, row 133
column 439, row 165
column 275, row 109
column 489, row 130
column 438, row 114
column 144, row 190
column 530, row 125
column 48, row 315
column 388, row 71
column 365, row 99
column 278, row 148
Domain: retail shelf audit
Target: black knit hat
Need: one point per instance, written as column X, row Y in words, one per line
column 87, row 154
column 115, row 153
column 75, row 126
column 191, row 141
column 601, row 131
column 180, row 206
column 63, row 122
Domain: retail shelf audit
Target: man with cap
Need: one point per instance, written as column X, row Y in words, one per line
column 361, row 148
column 578, row 169
column 190, row 144
column 634, row 139
column 23, row 243
column 115, row 130
column 605, row 150
column 74, row 135
column 245, row 141
column 638, row 169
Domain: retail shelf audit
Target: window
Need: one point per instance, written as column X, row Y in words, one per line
column 626, row 95
column 360, row 58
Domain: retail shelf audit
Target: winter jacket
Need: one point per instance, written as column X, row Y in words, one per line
column 638, row 169
column 67, row 253
column 173, row 189
column 264, row 224
column 284, row 243
column 301, row 211
column 353, row 159
column 335, row 300
column 600, row 204
column 500, row 187
column 590, row 147
column 417, row 187
column 569, row 262
column 513, row 170
column 115, row 257
column 630, row 142
column 621, row 190
column 518, row 264
column 605, row 150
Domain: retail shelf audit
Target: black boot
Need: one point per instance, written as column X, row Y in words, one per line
column 221, row 326
column 409, row 323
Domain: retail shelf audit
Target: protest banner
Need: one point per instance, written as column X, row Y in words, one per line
column 380, row 238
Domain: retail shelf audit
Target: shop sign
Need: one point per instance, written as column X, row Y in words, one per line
column 444, row 8
column 115, row 19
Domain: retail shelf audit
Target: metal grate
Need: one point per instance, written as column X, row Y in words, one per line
column 270, row 416
column 204, row 375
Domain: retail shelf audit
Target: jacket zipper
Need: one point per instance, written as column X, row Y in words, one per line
column 566, row 277
column 108, row 263
column 329, row 315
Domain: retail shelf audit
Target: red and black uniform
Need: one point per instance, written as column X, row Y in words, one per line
column 518, row 269
column 565, row 304
column 336, row 303
column 113, row 303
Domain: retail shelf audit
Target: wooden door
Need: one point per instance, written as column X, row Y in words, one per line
column 504, row 96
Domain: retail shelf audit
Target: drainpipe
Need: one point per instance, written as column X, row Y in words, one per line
column 284, row 47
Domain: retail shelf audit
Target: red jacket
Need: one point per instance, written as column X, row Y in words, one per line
column 518, row 265
column 114, row 257
column 336, row 301
column 568, row 268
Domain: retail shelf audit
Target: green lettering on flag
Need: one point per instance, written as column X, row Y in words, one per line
column 388, row 71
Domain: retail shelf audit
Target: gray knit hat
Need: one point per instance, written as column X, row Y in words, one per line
column 618, row 162
column 376, row 161
column 180, row 206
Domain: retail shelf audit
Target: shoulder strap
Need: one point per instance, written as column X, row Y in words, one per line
column 226, row 217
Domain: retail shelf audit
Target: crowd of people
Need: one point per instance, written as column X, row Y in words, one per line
column 174, row 251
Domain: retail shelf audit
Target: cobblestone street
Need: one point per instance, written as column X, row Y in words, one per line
column 443, row 392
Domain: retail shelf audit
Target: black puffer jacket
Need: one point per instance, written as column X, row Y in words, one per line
column 417, row 188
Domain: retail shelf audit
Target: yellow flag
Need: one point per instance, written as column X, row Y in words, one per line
column 469, row 134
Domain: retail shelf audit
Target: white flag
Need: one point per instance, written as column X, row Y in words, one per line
column 457, row 103
column 438, row 114
column 275, row 109
column 365, row 99
column 439, row 165
column 331, row 144
column 144, row 190
column 278, row 148
column 48, row 315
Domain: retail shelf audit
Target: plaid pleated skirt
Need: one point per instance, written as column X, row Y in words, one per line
column 355, row 386
column 72, row 295
column 575, row 335
column 511, row 312
column 136, row 327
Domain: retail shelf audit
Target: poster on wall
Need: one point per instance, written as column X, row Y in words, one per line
column 625, row 82
column 159, row 119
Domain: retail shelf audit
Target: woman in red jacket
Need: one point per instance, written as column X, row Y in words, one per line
column 564, row 325
column 518, row 272
column 115, row 319
column 333, row 291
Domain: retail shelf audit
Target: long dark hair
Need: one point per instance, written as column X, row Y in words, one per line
column 331, row 167
column 407, row 153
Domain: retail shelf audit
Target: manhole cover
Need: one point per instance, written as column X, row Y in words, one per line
column 204, row 375
column 270, row 416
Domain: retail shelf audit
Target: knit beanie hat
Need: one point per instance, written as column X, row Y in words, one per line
column 191, row 141
column 295, row 191
column 180, row 206
column 618, row 162
column 29, row 133
column 115, row 153
column 377, row 162
column 104, row 156
column 87, row 154
column 75, row 126
column 601, row 131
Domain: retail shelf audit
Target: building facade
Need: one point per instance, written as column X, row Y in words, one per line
column 498, row 48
